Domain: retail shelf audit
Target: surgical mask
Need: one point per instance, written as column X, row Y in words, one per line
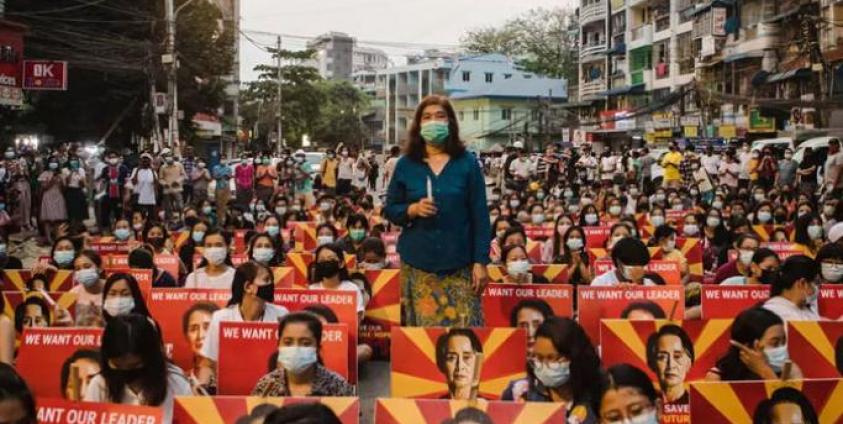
column 63, row 257
column 297, row 359
column 586, row 201
column 776, row 357
column 745, row 256
column 831, row 272
column 626, row 272
column 87, row 277
column 113, row 161
column 568, row 194
column 272, row 230
column 263, row 254
column 812, row 298
column 712, row 221
column 119, row 305
column 540, row 196
column 518, row 268
column 828, row 210
column 573, row 208
column 591, row 218
column 717, row 204
column 690, row 230
column 207, row 210
column 215, row 255
column 764, row 216
column 357, row 234
column 645, row 418
column 372, row 266
column 574, row 243
column 815, row 232
column 669, row 246
column 614, row 210
column 280, row 210
column 122, row 233
column 435, row 132
column 499, row 234
column 657, row 220
column 198, row 236
column 53, row 166
column 514, row 203
column 552, row 376
column 759, row 197
column 538, row 218
column 325, row 206
column 658, row 197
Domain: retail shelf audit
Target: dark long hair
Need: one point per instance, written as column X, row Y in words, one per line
column 225, row 236
column 13, row 387
column 625, row 375
column 415, row 148
column 245, row 274
column 311, row 321
column 140, row 303
column 276, row 260
column 311, row 270
column 764, row 412
column 134, row 334
column 571, row 341
column 748, row 327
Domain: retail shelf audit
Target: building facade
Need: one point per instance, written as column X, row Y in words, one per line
column 334, row 55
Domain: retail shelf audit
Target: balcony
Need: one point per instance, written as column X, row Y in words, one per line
column 592, row 89
column 592, row 52
column 641, row 76
column 662, row 23
column 592, row 12
column 640, row 36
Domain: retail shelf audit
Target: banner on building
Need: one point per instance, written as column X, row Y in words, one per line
column 662, row 120
column 761, row 124
column 718, row 21
column 11, row 61
column 45, row 75
column 690, row 132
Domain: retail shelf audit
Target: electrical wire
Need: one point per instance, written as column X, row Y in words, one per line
column 59, row 10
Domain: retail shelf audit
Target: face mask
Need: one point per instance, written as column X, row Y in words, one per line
column 372, row 266
column 574, row 243
column 157, row 242
column 633, row 193
column 828, row 210
column 120, row 305
column 745, row 256
column 812, row 297
column 514, row 203
column 569, row 194
column 538, row 218
column 198, row 236
column 87, row 277
column 435, row 132
column 122, row 233
column 207, row 210
column 657, row 220
column 215, row 255
column 690, row 230
column 573, row 208
column 540, row 196
column 645, row 418
column 659, row 197
column 63, row 257
column 281, row 210
column 326, row 269
column 591, row 218
column 552, row 377
column 113, row 161
column 768, row 276
column 717, row 204
column 263, row 254
column 357, row 234
column 815, row 232
column 53, row 165
column 712, row 221
column 586, row 201
column 518, row 268
column 759, row 197
column 297, row 359
column 764, row 216
column 626, row 272
column 615, row 210
column 201, row 165
column 325, row 206
column 322, row 240
column 669, row 246
column 831, row 272
column 776, row 357
column 677, row 207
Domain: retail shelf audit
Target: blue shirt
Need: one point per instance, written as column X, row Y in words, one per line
column 222, row 174
column 459, row 234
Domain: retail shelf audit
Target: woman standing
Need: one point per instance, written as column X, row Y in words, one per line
column 74, row 192
column 438, row 194
column 144, row 182
column 53, row 208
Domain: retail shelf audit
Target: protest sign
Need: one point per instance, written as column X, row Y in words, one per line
column 429, row 411
column 231, row 409
column 383, row 311
column 830, row 301
column 497, row 357
column 65, row 300
column 43, row 351
column 595, row 237
column 300, row 262
column 816, row 347
column 747, row 401
column 500, row 300
column 668, row 270
column 596, row 303
column 248, row 351
column 61, row 411
column 539, row 232
column 728, row 301
column 57, row 281
column 555, row 273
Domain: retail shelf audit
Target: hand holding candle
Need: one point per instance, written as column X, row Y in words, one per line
column 425, row 207
column 429, row 189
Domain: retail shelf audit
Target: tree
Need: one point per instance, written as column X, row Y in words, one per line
column 339, row 114
column 541, row 40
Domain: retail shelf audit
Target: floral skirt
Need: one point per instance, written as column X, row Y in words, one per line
column 431, row 300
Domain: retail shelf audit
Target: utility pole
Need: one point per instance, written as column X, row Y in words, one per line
column 171, row 58
column 281, row 143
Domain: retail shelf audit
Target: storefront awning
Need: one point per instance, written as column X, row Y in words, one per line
column 794, row 73
column 740, row 56
column 629, row 89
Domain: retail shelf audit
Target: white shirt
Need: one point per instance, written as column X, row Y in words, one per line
column 788, row 311
column 710, row 163
column 200, row 279
column 177, row 385
column 145, row 188
column 349, row 286
column 610, row 279
column 211, row 347
column 744, row 158
column 521, row 167
column 608, row 166
column 345, row 168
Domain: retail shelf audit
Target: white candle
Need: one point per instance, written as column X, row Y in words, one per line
column 429, row 189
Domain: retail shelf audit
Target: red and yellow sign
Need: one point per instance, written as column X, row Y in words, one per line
column 729, row 301
column 15, row 279
column 383, row 310
column 596, row 303
column 499, row 300
column 61, row 411
column 555, row 274
column 230, row 409
column 830, row 302
column 427, row 411
column 300, row 262
column 43, row 351
column 817, row 347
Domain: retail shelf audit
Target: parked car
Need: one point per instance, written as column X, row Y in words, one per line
column 818, row 144
column 778, row 144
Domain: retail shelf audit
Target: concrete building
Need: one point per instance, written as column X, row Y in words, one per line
column 334, row 55
column 368, row 59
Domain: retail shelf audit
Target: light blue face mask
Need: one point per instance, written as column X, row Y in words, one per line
column 272, row 230
column 776, row 357
column 63, row 257
column 435, row 132
column 552, row 376
column 122, row 233
column 198, row 236
column 263, row 254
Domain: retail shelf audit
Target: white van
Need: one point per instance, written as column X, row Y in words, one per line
column 779, row 143
column 819, row 145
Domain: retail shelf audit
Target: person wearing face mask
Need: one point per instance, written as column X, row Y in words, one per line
column 656, row 217
column 763, row 269
column 326, row 234
column 630, row 258
column 613, row 212
column 145, row 180
column 371, row 256
column 113, row 177
column 251, row 300
column 627, row 396
column 758, row 349
column 808, row 234
column 200, row 179
column 142, row 258
column 121, row 295
column 358, row 229
column 575, row 255
column 746, row 245
column 517, row 267
column 345, row 171
column 328, row 272
column 300, row 371
column 793, row 295
column 830, row 260
column 172, row 177
column 222, row 192
column 87, row 276
column 665, row 237
column 617, row 232
column 264, row 250
column 134, row 369
column 122, row 231
column 215, row 270
column 74, row 191
column 244, row 182
column 265, row 176
column 53, row 206
column 589, row 216
column 194, row 239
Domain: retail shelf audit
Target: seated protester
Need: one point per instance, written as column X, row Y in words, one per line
column 141, row 258
column 529, row 314
column 89, row 279
column 517, row 268
column 326, row 207
column 656, row 216
column 808, row 234
column 630, row 258
column 34, row 312
column 301, row 372
column 794, row 291
column 84, row 365
column 589, row 216
column 762, row 270
column 328, row 272
column 272, row 226
column 190, row 218
column 779, row 236
column 515, row 235
column 138, row 224
column 215, row 271
column 302, row 413
column 746, row 245
column 628, row 396
column 358, row 228
column 16, row 398
column 665, row 237
column 156, row 236
column 565, row 368
column 499, row 228
column 758, row 350
column 7, row 261
column 645, row 310
column 830, row 258
column 61, row 256
column 264, row 250
column 371, row 256
column 252, row 292
column 616, row 233
column 123, row 230
column 574, row 254
column 134, row 368
column 786, row 404
column 326, row 234
column 194, row 239
column 122, row 296
column 208, row 214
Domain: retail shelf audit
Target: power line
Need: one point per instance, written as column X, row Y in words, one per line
column 393, row 44
column 59, row 10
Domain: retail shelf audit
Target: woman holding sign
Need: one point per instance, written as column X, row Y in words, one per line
column 438, row 195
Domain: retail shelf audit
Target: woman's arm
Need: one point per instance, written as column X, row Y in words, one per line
column 479, row 215
column 397, row 205
column 7, row 340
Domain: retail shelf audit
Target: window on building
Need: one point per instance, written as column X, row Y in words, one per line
column 534, row 115
column 507, row 76
column 462, row 116
column 506, row 114
column 476, row 114
column 466, row 76
column 528, row 76
column 490, row 77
